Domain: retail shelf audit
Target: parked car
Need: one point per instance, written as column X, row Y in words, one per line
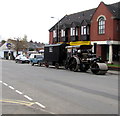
column 22, row 59
column 36, row 59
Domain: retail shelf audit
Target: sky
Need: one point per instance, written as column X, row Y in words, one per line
column 33, row 17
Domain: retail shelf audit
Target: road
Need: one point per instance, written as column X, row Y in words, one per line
column 30, row 89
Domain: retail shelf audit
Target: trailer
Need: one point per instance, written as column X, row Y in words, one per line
column 55, row 54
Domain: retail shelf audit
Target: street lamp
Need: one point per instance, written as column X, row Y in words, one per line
column 58, row 25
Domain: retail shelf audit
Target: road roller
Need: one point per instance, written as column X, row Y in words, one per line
column 82, row 58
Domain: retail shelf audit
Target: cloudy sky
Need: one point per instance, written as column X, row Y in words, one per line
column 33, row 17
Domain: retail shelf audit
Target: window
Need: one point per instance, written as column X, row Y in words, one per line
column 50, row 49
column 88, row 30
column 62, row 33
column 101, row 25
column 74, row 31
column 83, row 30
column 54, row 33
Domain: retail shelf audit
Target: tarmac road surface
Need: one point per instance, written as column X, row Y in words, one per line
column 30, row 89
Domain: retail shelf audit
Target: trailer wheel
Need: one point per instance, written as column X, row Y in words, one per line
column 73, row 66
column 46, row 64
column 66, row 65
column 56, row 65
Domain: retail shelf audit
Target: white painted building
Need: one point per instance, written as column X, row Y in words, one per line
column 6, row 53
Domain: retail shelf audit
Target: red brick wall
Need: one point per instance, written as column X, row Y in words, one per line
column 102, row 10
column 116, row 28
column 98, row 51
column 50, row 37
column 68, row 35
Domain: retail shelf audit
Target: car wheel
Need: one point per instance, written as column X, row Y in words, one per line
column 21, row 62
column 39, row 64
column 56, row 65
column 32, row 63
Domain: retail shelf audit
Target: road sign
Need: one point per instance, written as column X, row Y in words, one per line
column 9, row 45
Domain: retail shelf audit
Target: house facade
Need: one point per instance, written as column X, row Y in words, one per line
column 99, row 26
column 7, row 53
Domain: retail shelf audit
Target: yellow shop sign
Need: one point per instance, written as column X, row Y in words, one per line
column 80, row 43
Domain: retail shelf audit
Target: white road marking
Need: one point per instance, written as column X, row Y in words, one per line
column 11, row 87
column 39, row 104
column 19, row 92
column 5, row 84
column 28, row 97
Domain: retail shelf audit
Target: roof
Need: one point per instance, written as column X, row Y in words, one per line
column 51, row 45
column 35, row 45
column 77, row 18
column 115, row 9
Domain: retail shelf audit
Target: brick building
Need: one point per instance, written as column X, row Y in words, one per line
column 99, row 26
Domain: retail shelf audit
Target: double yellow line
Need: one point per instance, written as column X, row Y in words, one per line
column 17, row 102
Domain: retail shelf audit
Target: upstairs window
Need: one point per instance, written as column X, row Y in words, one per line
column 101, row 25
column 62, row 33
column 76, row 32
column 73, row 31
column 54, row 34
column 84, row 30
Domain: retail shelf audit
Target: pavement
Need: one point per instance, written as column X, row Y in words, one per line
column 113, row 72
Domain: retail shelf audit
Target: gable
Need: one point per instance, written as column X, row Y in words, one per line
column 112, row 10
column 85, row 23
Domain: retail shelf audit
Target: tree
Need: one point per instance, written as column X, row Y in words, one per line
column 21, row 44
column 2, row 42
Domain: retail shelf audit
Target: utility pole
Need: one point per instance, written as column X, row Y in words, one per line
column 58, row 27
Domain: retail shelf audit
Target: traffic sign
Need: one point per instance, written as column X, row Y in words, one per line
column 9, row 45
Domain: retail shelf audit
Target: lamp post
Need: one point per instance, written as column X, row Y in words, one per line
column 58, row 26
